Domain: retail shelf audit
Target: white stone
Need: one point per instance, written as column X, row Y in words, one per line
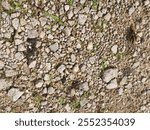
column 15, row 94
column 2, row 64
column 15, row 23
column 48, row 66
column 18, row 41
column 61, row 68
column 34, row 22
column 123, row 81
column 19, row 56
column 83, row 102
column 76, row 68
column 39, row 84
column 131, row 10
column 67, row 107
column 43, row 21
column 90, row 46
column 109, row 74
column 10, row 73
column 82, row 19
column 120, row 91
column 4, row 84
column 50, row 36
column 68, row 31
column 135, row 65
column 82, row 1
column 112, row 85
column 32, row 33
column 73, row 58
column 32, row 64
column 78, row 45
column 107, row 17
column 54, row 47
column 51, row 90
column 128, row 86
column 6, row 5
column 42, row 34
column 66, row 7
column 47, row 77
column 146, row 2
column 85, row 86
column 114, row 49
column 70, row 14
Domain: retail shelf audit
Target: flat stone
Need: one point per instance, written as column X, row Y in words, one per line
column 90, row 46
column 73, row 58
column 4, row 84
column 39, row 84
column 32, row 64
column 109, row 74
column 6, row 5
column 54, row 47
column 66, row 7
column 68, row 31
column 82, row 19
column 32, row 33
column 67, row 107
column 112, row 85
column 2, row 64
column 61, row 68
column 131, row 10
column 19, row 56
column 128, row 86
column 76, row 68
column 43, row 21
column 70, row 14
column 82, row 1
column 10, row 73
column 123, row 81
column 18, row 41
column 50, row 36
column 85, row 86
column 114, row 49
column 15, row 23
column 107, row 17
column 51, row 90
column 14, row 94
column 83, row 102
column 34, row 22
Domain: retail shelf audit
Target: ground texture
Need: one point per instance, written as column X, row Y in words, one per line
column 75, row 56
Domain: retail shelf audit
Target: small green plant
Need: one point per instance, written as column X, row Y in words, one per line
column 85, row 95
column 119, row 56
column 37, row 100
column 69, row 2
column 61, row 100
column 103, row 66
column 94, row 4
column 75, row 104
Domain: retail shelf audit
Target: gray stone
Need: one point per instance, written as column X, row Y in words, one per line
column 10, row 73
column 18, row 41
column 51, row 90
column 14, row 94
column 6, row 5
column 109, row 74
column 107, row 17
column 15, row 23
column 4, row 84
column 43, row 21
column 114, row 49
column 54, row 47
column 123, row 81
column 61, row 68
column 32, row 64
column 85, row 86
column 73, row 58
column 82, row 1
column 32, row 33
column 2, row 64
column 34, row 22
column 67, row 107
column 70, row 14
column 83, row 102
column 112, row 85
column 128, row 86
column 82, row 19
column 19, row 56
column 131, row 10
column 39, row 84
column 66, row 7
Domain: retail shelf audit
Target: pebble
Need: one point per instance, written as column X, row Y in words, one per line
column 51, row 90
column 32, row 64
column 61, row 68
column 146, row 2
column 82, row 19
column 131, row 10
column 6, row 5
column 15, row 23
column 112, row 85
column 114, row 49
column 50, row 36
column 66, row 7
column 70, row 14
column 10, row 73
column 32, row 33
column 14, row 94
column 82, row 1
column 18, row 41
column 4, row 84
column 43, row 21
column 90, row 46
column 109, row 74
column 54, row 47
column 19, row 56
column 135, row 65
column 67, row 107
column 2, row 64
column 73, row 58
column 39, row 84
column 128, row 86
column 83, row 102
column 76, row 68
column 107, row 17
column 123, row 81
column 85, row 86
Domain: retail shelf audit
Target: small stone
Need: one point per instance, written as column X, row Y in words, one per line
column 135, row 65
column 146, row 2
column 82, row 19
column 85, row 86
column 47, row 77
column 90, row 46
column 50, row 36
column 76, row 68
column 109, row 74
column 54, row 47
column 107, row 17
column 66, row 7
column 70, row 14
column 61, row 68
column 123, row 81
column 10, row 73
column 43, row 21
column 39, row 84
column 15, row 23
column 73, row 58
column 4, row 84
column 120, row 91
column 51, row 90
column 78, row 46
column 34, row 22
column 131, row 10
column 15, row 94
column 83, row 102
column 32, row 64
column 18, row 41
column 67, row 107
column 68, row 31
column 128, row 86
column 114, row 49
column 2, row 64
column 82, row 1
column 19, row 56
column 32, row 33
column 48, row 66
column 112, row 85
column 6, row 5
